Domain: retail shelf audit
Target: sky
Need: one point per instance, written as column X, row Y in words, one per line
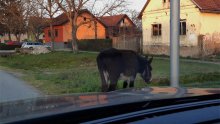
column 132, row 4
column 137, row 4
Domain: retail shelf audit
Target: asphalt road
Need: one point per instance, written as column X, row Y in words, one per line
column 12, row 88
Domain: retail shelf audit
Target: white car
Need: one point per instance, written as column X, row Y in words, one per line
column 33, row 45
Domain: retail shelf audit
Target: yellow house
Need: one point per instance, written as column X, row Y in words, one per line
column 199, row 27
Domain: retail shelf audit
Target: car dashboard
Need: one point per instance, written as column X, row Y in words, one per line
column 145, row 105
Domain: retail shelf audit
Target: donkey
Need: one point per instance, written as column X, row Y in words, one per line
column 116, row 64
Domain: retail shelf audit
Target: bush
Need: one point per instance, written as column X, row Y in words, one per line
column 94, row 44
column 8, row 47
column 1, row 44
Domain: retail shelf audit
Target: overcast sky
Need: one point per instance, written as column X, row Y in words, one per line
column 132, row 4
column 137, row 4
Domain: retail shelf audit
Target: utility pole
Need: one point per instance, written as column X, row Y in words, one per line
column 174, row 42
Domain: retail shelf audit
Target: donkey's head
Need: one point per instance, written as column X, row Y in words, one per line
column 146, row 73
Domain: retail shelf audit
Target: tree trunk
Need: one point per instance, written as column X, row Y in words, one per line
column 96, row 33
column 18, row 37
column 9, row 36
column 74, row 40
column 73, row 22
column 29, row 34
column 37, row 35
column 52, row 38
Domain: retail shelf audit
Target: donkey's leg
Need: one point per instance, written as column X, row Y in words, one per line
column 131, row 84
column 113, row 82
column 112, row 87
column 104, row 80
column 104, row 87
column 125, row 84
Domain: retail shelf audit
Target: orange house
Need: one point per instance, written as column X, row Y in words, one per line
column 62, row 28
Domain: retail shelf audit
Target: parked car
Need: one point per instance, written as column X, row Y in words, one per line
column 33, row 45
column 13, row 43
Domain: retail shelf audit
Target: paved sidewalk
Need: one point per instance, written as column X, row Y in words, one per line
column 12, row 88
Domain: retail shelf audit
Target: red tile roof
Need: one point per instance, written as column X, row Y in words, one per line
column 62, row 19
column 211, row 6
column 110, row 21
column 208, row 5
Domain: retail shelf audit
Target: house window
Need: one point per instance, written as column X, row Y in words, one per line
column 183, row 27
column 156, row 29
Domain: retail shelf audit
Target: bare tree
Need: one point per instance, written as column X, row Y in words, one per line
column 72, row 9
column 36, row 21
column 11, row 17
column 21, row 15
column 51, row 10
column 133, row 14
column 14, row 15
column 36, row 25
column 5, row 17
column 108, row 7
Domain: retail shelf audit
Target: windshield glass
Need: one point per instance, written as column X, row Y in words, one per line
column 105, row 46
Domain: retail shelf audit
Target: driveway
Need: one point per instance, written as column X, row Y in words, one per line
column 12, row 88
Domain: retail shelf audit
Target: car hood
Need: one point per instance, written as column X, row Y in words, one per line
column 43, row 106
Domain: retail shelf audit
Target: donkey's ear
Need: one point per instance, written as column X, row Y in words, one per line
column 150, row 60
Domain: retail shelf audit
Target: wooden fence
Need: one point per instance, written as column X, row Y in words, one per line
column 128, row 42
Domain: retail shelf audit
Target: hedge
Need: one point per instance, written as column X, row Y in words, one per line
column 94, row 44
column 8, row 47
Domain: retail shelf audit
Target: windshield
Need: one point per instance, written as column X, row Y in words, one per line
column 105, row 46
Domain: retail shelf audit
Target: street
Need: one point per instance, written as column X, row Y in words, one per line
column 12, row 88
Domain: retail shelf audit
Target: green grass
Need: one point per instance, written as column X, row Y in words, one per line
column 54, row 60
column 65, row 72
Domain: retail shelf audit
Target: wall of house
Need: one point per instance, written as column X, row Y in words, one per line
column 122, row 28
column 126, row 22
column 31, row 37
column 58, row 38
column 210, row 32
column 86, row 31
column 67, row 36
column 160, row 14
column 5, row 38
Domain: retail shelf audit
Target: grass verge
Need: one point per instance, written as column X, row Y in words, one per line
column 65, row 72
